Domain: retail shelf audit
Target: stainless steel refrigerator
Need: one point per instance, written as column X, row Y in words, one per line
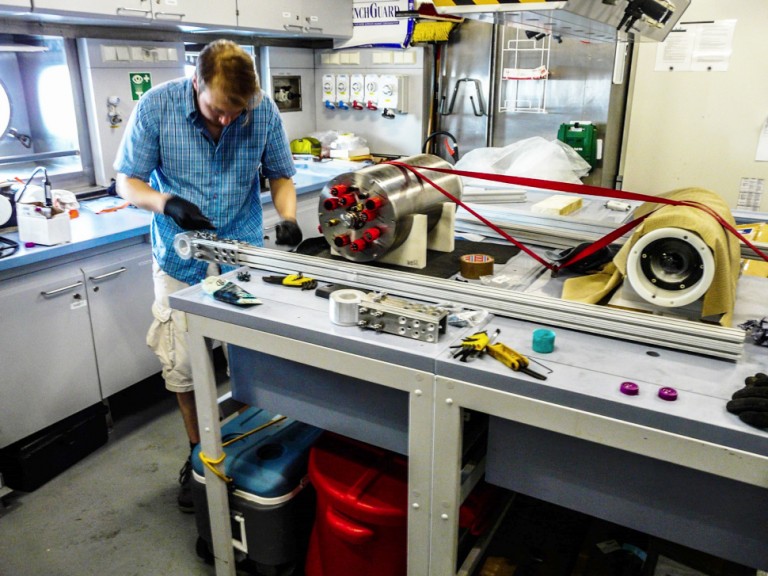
column 489, row 93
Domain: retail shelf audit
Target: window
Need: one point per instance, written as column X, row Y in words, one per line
column 192, row 51
column 5, row 110
column 39, row 123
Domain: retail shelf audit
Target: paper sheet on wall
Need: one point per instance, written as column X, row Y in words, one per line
column 697, row 47
column 750, row 194
column 762, row 144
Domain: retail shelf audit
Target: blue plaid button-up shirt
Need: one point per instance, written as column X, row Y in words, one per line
column 167, row 145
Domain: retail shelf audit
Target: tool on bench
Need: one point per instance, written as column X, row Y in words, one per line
column 512, row 359
column 294, row 280
column 480, row 343
column 474, row 346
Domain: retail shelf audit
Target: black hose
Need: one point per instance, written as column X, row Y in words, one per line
column 454, row 153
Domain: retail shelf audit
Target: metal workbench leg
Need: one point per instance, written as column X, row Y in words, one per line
column 210, row 438
column 420, row 418
column 446, row 481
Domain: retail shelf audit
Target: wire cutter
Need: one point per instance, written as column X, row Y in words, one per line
column 294, row 280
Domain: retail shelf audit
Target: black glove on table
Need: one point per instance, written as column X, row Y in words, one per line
column 186, row 214
column 288, row 232
column 750, row 403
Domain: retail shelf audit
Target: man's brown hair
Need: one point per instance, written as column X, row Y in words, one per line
column 224, row 65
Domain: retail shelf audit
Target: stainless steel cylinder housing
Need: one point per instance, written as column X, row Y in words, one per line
column 367, row 213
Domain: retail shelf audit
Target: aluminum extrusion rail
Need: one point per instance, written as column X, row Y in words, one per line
column 531, row 228
column 747, row 252
column 673, row 333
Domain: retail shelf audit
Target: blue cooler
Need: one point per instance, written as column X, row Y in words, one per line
column 271, row 501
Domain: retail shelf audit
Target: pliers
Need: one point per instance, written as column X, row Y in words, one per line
column 294, row 280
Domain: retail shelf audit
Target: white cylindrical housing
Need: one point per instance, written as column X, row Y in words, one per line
column 670, row 267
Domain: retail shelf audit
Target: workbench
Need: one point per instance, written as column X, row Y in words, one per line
column 687, row 470
column 377, row 388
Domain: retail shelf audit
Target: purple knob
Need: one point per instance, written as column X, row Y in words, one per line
column 629, row 388
column 668, row 394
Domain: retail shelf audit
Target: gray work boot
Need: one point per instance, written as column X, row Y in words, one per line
column 184, row 500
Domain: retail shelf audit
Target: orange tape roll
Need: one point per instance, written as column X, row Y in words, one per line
column 473, row 266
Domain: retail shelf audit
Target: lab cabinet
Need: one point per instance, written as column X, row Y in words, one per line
column 120, row 294
column 284, row 16
column 330, row 19
column 73, row 334
column 14, row 5
column 188, row 12
column 196, row 12
column 131, row 9
column 48, row 368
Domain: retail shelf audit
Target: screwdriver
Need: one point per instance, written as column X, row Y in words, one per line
column 512, row 359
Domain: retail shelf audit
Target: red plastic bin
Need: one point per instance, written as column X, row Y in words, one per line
column 361, row 521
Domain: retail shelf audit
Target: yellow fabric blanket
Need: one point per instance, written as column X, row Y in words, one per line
column 719, row 300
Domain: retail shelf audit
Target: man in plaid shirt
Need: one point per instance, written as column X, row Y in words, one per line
column 191, row 154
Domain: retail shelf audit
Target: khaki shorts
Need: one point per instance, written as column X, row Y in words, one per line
column 167, row 336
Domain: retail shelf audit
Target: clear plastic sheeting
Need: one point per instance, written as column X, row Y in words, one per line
column 533, row 157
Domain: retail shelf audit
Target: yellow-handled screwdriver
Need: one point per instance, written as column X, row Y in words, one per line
column 512, row 359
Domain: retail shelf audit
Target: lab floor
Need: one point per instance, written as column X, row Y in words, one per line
column 114, row 512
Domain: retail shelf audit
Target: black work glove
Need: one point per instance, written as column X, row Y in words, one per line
column 186, row 214
column 750, row 403
column 288, row 232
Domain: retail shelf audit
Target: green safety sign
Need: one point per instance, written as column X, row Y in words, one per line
column 140, row 83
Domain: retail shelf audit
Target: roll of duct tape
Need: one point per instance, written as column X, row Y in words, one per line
column 473, row 266
column 343, row 305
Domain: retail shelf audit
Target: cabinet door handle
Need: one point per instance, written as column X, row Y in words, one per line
column 169, row 15
column 312, row 20
column 124, row 10
column 62, row 289
column 108, row 274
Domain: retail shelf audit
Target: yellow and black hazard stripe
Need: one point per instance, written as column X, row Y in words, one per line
column 455, row 3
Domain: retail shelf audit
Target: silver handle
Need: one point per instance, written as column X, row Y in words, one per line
column 62, row 289
column 169, row 15
column 108, row 274
column 619, row 62
column 289, row 26
column 311, row 20
column 241, row 544
column 123, row 10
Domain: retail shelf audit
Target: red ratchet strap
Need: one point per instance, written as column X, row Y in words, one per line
column 580, row 189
